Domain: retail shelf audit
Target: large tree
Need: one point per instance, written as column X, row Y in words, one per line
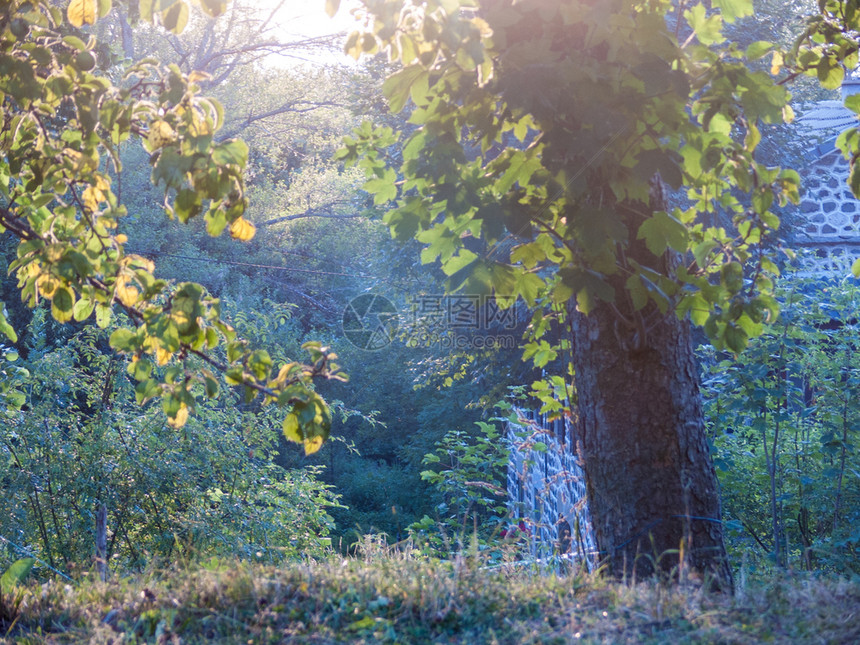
column 554, row 132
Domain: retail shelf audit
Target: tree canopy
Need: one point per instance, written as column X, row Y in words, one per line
column 65, row 122
column 537, row 119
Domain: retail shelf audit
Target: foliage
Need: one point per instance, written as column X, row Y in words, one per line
column 397, row 599
column 470, row 470
column 65, row 122
column 522, row 136
column 825, row 49
column 10, row 596
column 784, row 419
column 212, row 488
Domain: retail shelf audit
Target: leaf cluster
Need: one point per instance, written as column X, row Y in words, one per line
column 541, row 131
column 63, row 125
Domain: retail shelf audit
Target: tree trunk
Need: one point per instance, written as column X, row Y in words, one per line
column 651, row 484
column 101, row 542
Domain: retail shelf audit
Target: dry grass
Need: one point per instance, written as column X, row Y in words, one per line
column 407, row 600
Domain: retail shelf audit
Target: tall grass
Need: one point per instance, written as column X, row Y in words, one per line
column 380, row 596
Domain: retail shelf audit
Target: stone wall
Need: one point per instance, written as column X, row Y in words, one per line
column 546, row 487
column 831, row 216
column 829, row 223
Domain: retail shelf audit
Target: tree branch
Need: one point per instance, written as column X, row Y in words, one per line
column 323, row 211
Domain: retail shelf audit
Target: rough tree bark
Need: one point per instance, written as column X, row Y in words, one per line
column 651, row 484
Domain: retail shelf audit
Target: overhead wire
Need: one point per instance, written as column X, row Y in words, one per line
column 21, row 549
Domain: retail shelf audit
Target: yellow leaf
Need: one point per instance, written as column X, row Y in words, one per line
column 121, row 238
column 47, row 285
column 312, row 445
column 197, row 76
column 242, row 229
column 162, row 356
column 777, row 63
column 82, row 12
column 138, row 261
column 291, row 428
column 199, row 125
column 181, row 417
column 63, row 304
column 54, row 253
column 92, row 197
column 160, row 134
column 126, row 294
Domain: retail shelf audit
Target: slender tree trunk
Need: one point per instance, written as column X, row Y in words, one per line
column 651, row 484
column 842, row 459
column 101, row 542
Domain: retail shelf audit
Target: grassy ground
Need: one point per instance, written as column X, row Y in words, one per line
column 402, row 600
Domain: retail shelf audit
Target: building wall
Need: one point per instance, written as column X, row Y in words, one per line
column 830, row 223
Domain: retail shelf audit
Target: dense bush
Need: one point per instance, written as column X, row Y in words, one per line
column 784, row 421
column 79, row 441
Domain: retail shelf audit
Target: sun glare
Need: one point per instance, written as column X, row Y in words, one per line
column 307, row 18
column 299, row 20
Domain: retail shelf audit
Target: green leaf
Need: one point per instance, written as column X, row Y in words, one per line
column 736, row 339
column 702, row 252
column 140, row 369
column 210, row 384
column 83, row 308
column 458, row 262
column 662, row 231
column 854, row 179
column 123, row 340
column 398, row 87
column 637, row 290
column 5, row 327
column 529, row 285
column 383, row 189
column 732, row 275
column 697, row 306
column 709, row 30
column 216, row 221
column 830, row 73
column 309, row 423
column 540, row 353
column 175, row 17
column 16, row 573
column 734, row 9
column 758, row 49
column 665, row 162
column 103, row 316
column 522, row 165
column 855, row 268
column 234, row 151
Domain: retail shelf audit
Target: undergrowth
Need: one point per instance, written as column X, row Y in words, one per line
column 401, row 599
